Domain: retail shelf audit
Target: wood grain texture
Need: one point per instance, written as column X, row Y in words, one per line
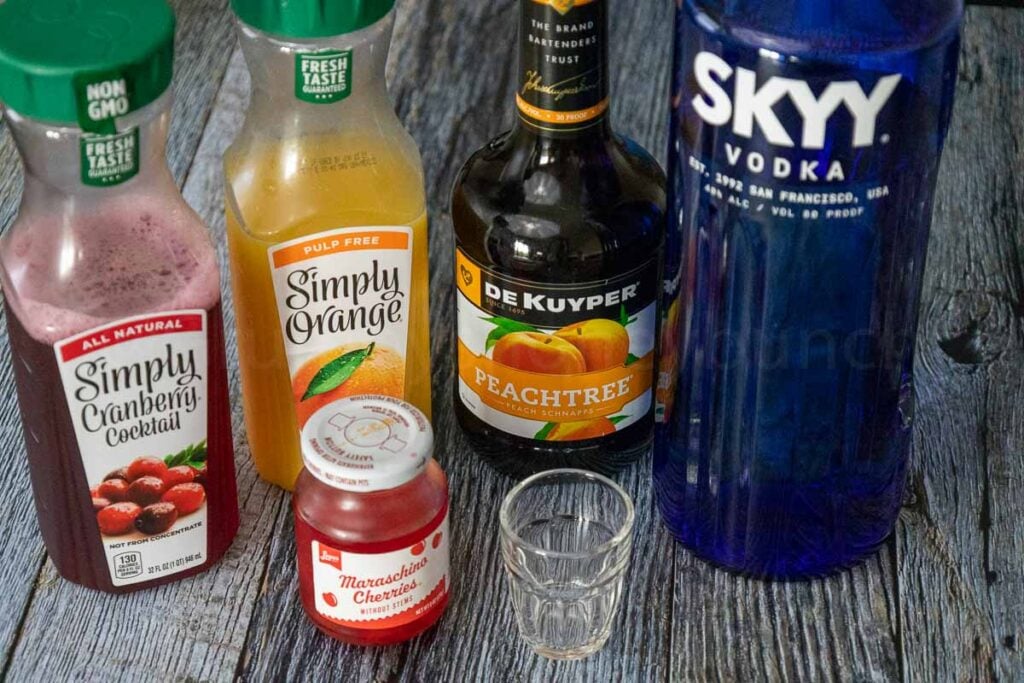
column 961, row 540
column 943, row 602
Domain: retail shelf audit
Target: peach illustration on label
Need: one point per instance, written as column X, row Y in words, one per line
column 349, row 370
column 577, row 431
column 603, row 343
column 539, row 352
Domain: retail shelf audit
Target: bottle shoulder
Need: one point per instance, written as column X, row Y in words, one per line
column 564, row 211
column 830, row 29
column 370, row 175
column 73, row 265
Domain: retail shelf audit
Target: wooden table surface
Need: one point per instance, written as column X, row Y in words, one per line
column 943, row 601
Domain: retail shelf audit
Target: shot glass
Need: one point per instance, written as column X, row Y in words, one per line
column 566, row 537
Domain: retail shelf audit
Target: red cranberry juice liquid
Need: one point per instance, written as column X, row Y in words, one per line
column 114, row 319
column 65, row 507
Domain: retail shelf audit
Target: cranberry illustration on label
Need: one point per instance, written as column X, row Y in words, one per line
column 186, row 498
column 418, row 549
column 436, row 542
column 330, row 599
column 145, row 490
column 182, row 474
column 114, row 490
column 117, row 519
column 146, row 467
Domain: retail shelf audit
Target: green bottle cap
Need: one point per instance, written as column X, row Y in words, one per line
column 84, row 62
column 310, row 18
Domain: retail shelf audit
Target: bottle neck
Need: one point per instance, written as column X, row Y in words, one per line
column 67, row 161
column 310, row 86
column 563, row 68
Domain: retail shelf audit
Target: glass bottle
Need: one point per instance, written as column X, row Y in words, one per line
column 327, row 224
column 112, row 301
column 559, row 226
column 806, row 142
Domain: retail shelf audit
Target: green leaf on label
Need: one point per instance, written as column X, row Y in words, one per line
column 617, row 419
column 337, row 372
column 542, row 435
column 624, row 318
column 503, row 326
column 193, row 455
column 630, row 359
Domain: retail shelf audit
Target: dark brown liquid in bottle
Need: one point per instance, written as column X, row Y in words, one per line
column 560, row 205
column 67, row 520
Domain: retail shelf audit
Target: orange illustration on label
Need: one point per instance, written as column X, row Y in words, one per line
column 343, row 299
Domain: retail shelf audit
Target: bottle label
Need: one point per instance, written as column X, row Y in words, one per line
column 323, row 77
column 556, row 362
column 563, row 80
column 108, row 160
column 343, row 300
column 382, row 590
column 789, row 142
column 137, row 393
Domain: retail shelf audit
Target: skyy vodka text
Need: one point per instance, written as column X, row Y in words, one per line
column 805, row 146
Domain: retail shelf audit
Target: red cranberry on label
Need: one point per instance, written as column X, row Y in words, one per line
column 182, row 474
column 114, row 490
column 146, row 490
column 146, row 467
column 117, row 519
column 156, row 518
column 187, row 498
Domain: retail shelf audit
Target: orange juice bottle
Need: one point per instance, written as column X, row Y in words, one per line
column 326, row 224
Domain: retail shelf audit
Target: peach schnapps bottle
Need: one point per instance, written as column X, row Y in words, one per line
column 558, row 228
column 327, row 224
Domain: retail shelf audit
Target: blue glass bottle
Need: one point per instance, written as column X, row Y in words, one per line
column 806, row 140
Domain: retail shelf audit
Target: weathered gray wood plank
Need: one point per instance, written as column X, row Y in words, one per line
column 958, row 611
column 453, row 86
column 961, row 541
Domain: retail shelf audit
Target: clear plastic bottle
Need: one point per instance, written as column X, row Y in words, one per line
column 112, row 300
column 324, row 186
column 806, row 143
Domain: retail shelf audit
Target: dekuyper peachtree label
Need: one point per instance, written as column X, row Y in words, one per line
column 556, row 362
column 137, row 389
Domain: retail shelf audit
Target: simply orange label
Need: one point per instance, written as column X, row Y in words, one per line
column 343, row 300
column 556, row 362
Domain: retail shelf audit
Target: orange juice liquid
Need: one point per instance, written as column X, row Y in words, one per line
column 281, row 191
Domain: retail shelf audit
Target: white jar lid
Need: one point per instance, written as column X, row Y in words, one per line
column 367, row 443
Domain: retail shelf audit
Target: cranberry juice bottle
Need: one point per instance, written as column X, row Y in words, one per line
column 112, row 300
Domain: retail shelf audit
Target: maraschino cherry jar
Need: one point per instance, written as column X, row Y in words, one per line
column 371, row 522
